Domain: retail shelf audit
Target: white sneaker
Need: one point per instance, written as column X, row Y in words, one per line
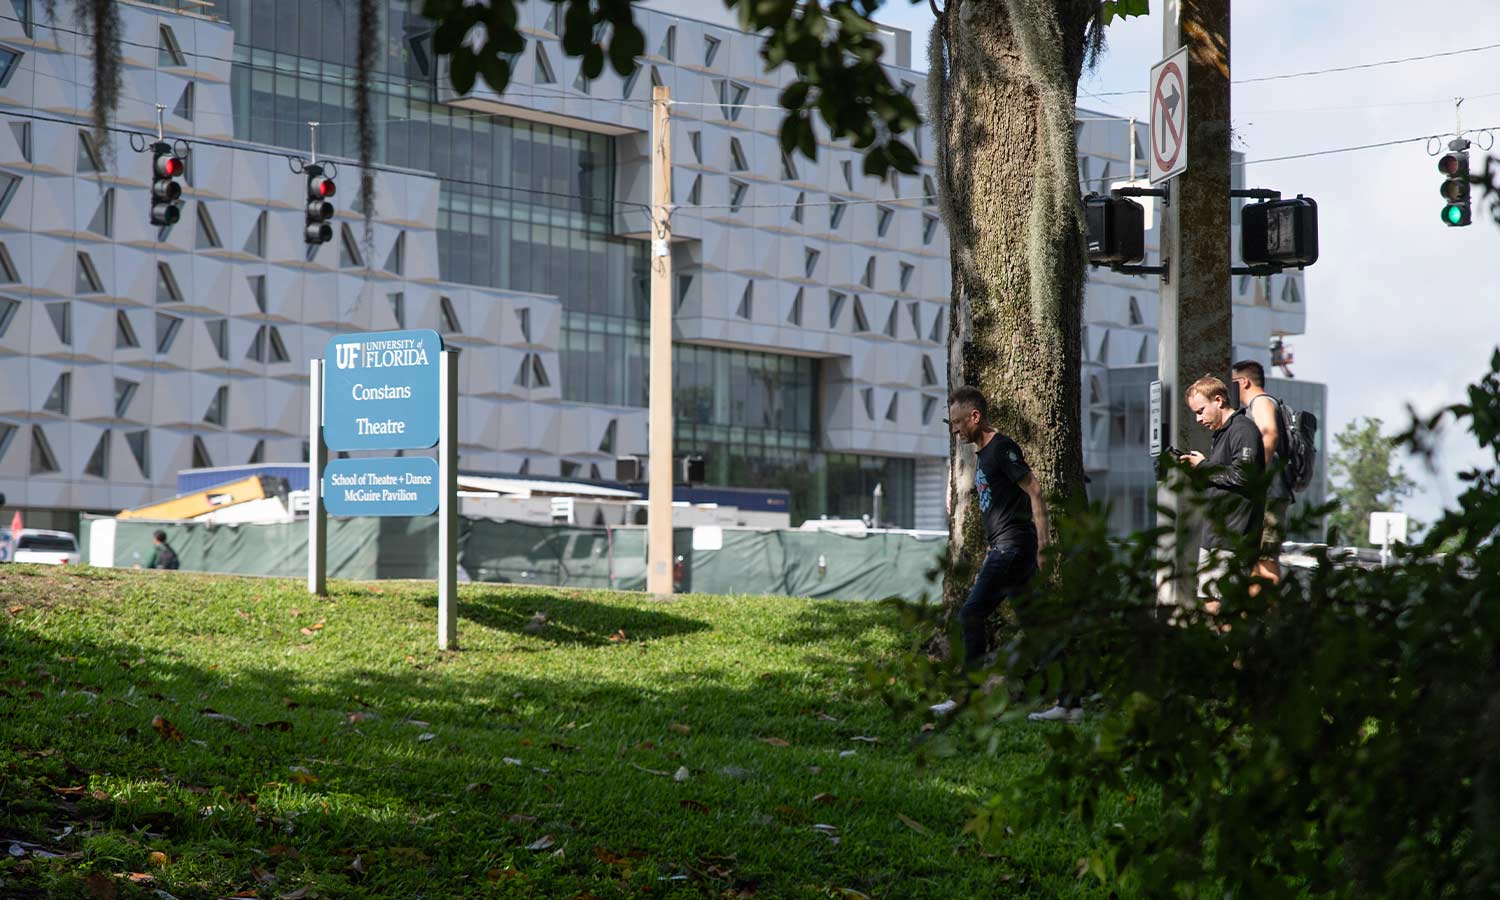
column 1058, row 714
column 944, row 708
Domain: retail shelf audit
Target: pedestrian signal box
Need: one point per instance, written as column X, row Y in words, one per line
column 1116, row 230
column 1281, row 234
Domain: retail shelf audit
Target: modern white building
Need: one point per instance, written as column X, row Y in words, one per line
column 810, row 308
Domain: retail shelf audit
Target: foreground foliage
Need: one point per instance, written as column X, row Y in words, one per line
column 1338, row 736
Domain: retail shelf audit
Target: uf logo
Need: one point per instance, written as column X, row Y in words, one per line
column 348, row 356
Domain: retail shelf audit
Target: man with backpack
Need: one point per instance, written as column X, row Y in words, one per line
column 162, row 554
column 1268, row 415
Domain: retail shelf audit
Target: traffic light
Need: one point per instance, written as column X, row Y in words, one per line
column 166, row 168
column 1116, row 230
column 1454, row 165
column 1280, row 233
column 319, row 188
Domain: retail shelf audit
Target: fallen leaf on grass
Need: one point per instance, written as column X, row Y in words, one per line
column 69, row 791
column 289, row 703
column 425, row 736
column 825, row 717
column 610, row 858
column 774, row 741
column 166, row 729
column 618, row 637
column 825, row 798
column 914, row 825
column 308, row 632
column 157, row 858
column 261, row 875
column 497, row 873
column 682, row 775
column 544, row 842
column 865, row 738
column 681, row 728
column 479, row 787
column 696, row 806
column 359, row 864
column 304, row 778
column 851, row 894
column 140, row 878
column 520, row 818
column 511, row 761
column 16, row 610
column 845, row 754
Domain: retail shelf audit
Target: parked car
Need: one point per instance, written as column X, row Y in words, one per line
column 36, row 545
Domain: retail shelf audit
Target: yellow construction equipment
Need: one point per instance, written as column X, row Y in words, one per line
column 190, row 506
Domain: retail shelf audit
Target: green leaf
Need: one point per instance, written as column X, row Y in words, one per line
column 593, row 62
column 578, row 29
column 628, row 43
column 795, row 95
column 463, row 69
column 495, row 71
column 1109, row 10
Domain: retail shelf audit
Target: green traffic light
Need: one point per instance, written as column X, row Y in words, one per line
column 1453, row 214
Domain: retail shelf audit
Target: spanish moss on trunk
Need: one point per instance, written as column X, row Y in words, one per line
column 1004, row 76
column 364, row 73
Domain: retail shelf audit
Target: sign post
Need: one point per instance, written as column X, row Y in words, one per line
column 389, row 390
column 317, row 459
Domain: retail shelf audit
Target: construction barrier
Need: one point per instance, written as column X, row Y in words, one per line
column 711, row 561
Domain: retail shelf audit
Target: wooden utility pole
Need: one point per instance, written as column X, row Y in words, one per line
column 659, row 562
column 1196, row 303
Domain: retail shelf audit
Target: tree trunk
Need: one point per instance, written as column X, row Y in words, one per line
column 1002, row 105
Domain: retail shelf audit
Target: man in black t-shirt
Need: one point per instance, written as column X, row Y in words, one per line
column 1015, row 519
column 1234, row 466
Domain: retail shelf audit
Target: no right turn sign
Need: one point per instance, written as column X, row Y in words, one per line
column 1169, row 96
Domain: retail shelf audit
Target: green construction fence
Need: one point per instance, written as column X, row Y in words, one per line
column 796, row 563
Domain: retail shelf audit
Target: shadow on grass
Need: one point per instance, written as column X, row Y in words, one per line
column 570, row 620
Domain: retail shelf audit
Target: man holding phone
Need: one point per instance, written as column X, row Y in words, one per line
column 1233, row 465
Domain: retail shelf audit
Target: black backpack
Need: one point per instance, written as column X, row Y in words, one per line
column 168, row 558
column 1299, row 444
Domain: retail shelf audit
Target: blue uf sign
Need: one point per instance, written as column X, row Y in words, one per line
column 380, row 390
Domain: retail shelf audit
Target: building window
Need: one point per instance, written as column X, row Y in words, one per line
column 103, row 221
column 8, row 310
column 166, row 331
column 257, row 290
column 929, row 372
column 1135, row 311
column 695, row 193
column 544, row 73
column 168, row 51
column 732, row 97
column 201, row 459
column 929, row 191
column 835, row 212
column 809, row 261
column 892, row 320
column 737, row 192
column 916, row 319
column 798, row 208
column 884, row 215
column 395, row 261
column 929, row 229
column 185, row 103
column 87, row 281
column 218, row 407
column 695, row 141
column 167, row 290
column 861, row 324
column 277, row 347
column 795, row 316
column 788, row 167
column 668, row 47
column 59, row 400
column 218, row 332
column 22, row 132
column 448, row 318
column 710, row 50
column 737, row 161
column 89, row 157
column 98, row 464
column 7, row 266
column 349, row 255
column 835, row 307
column 398, row 308
column 868, row 279
column 124, row 393
column 61, row 314
column 257, row 453
column 891, row 411
column 937, row 328
column 684, row 284
column 43, row 461
column 747, row 302
column 868, row 395
column 907, row 270
column 125, row 337
column 255, row 244
column 208, row 235
column 929, row 406
column 140, row 448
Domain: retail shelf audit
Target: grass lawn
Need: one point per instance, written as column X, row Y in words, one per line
column 211, row 737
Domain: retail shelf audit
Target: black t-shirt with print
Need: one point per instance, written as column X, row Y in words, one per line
column 1005, row 507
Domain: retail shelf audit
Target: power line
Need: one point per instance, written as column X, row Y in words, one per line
column 1368, row 65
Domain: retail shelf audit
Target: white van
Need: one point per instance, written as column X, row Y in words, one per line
column 35, row 545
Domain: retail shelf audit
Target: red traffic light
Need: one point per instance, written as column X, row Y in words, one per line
column 1450, row 164
column 319, row 187
column 169, row 166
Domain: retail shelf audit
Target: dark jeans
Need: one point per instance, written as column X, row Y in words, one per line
column 1006, row 570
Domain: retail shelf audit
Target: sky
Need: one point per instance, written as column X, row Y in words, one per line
column 1401, row 309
